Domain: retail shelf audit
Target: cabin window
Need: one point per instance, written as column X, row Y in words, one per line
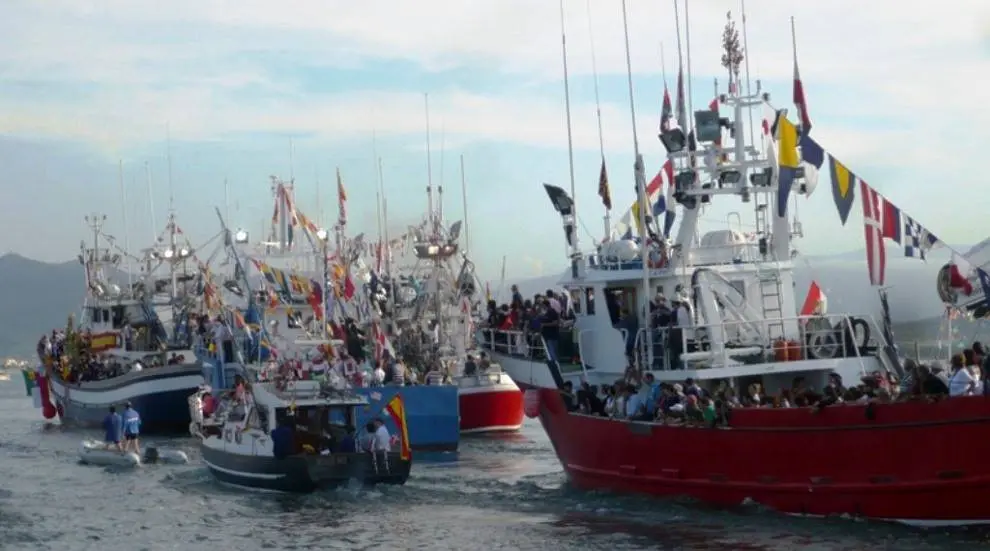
column 294, row 320
column 576, row 300
column 589, row 294
column 740, row 286
column 117, row 317
column 618, row 300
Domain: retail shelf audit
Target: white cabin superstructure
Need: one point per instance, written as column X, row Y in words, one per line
column 738, row 286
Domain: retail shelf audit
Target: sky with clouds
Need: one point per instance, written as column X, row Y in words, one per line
column 895, row 93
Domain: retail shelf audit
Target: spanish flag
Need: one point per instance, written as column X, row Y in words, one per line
column 397, row 410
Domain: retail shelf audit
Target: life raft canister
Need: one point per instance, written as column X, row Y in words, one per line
column 531, row 403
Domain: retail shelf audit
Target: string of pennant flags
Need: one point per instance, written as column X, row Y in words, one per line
column 797, row 152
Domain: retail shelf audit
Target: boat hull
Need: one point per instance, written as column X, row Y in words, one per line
column 917, row 463
column 300, row 474
column 160, row 395
column 490, row 404
column 432, row 417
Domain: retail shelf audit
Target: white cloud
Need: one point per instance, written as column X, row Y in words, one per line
column 190, row 62
column 121, row 68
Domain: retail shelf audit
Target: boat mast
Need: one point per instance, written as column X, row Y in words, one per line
column 638, row 169
column 151, row 204
column 440, row 186
column 575, row 251
column 123, row 203
column 467, row 237
column 171, row 219
column 429, row 164
column 598, row 112
column 742, row 7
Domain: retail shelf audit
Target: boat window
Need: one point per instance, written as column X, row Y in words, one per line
column 294, row 320
column 619, row 299
column 589, row 293
column 117, row 317
column 740, row 286
column 576, row 300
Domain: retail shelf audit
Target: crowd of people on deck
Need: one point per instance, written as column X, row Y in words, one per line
column 73, row 360
column 551, row 316
column 547, row 315
column 645, row 399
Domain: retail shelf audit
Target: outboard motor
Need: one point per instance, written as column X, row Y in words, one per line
column 150, row 455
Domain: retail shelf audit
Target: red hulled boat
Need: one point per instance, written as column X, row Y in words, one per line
column 918, row 463
column 489, row 402
column 733, row 325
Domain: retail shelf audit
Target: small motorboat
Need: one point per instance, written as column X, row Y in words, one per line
column 238, row 441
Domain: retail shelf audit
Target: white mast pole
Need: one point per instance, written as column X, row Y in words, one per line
column 123, row 204
column 467, row 236
column 575, row 251
column 151, row 204
column 640, row 181
column 429, row 164
column 598, row 110
column 752, row 137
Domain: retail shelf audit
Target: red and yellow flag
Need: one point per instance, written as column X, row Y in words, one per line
column 397, row 410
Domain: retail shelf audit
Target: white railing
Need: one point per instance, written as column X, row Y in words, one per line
column 708, row 255
column 819, row 337
column 530, row 344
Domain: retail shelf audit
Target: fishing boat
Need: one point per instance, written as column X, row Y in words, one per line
column 279, row 312
column 433, row 314
column 137, row 359
column 240, row 444
column 738, row 328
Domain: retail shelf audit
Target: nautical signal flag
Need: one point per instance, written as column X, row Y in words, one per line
column 666, row 111
column 799, row 100
column 891, row 221
column 812, row 159
column 876, row 256
column 603, row 190
column 917, row 239
column 396, row 409
column 816, row 302
column 341, row 199
column 787, row 160
column 843, row 188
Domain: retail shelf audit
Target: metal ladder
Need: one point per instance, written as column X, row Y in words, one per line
column 773, row 308
column 762, row 201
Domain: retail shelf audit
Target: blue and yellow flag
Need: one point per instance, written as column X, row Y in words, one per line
column 843, row 187
column 787, row 160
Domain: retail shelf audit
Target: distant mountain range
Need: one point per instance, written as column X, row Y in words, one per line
column 35, row 297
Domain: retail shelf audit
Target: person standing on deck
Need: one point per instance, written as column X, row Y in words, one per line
column 550, row 330
column 112, row 424
column 132, row 429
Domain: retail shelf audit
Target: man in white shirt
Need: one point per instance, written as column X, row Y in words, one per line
column 379, row 375
column 383, row 440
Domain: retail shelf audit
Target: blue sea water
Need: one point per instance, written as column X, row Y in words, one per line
column 495, row 494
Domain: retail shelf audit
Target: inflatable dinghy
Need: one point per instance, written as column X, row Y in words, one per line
column 92, row 452
column 96, row 453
